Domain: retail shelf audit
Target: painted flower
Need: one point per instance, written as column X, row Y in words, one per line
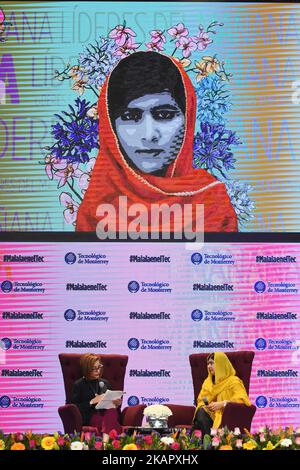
column 70, row 213
column 187, row 45
column 130, row 447
column 286, row 443
column 92, row 112
column 47, row 443
column 154, row 46
column 79, row 86
column 269, row 446
column 120, row 34
column 178, row 31
column 70, row 171
column 206, row 66
column 157, row 36
column 52, row 163
column 124, row 50
column 202, row 40
column 2, row 444
column 76, row 445
column 17, row 446
column 250, row 445
column 225, row 447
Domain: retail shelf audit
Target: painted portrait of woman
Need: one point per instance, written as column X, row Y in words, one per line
column 147, row 114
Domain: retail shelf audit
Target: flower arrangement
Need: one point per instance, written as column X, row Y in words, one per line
column 71, row 158
column 219, row 439
column 157, row 411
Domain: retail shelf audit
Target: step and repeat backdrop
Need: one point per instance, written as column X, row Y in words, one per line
column 158, row 304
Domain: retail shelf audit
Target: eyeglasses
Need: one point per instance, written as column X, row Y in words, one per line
column 97, row 367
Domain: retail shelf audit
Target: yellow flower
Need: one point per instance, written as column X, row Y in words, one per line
column 2, row 445
column 185, row 62
column 48, row 443
column 130, row 447
column 225, row 447
column 205, row 66
column 269, row 446
column 249, row 445
column 17, row 446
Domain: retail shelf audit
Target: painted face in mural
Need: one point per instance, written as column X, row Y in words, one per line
column 147, row 104
column 150, row 131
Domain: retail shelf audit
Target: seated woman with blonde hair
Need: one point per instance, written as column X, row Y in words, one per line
column 88, row 391
column 219, row 388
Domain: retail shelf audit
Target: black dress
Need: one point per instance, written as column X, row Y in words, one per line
column 83, row 392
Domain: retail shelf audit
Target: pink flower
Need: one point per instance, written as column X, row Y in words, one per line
column 187, row 45
column 262, row 437
column 87, row 436
column 120, row 34
column 175, row 446
column 125, row 49
column 60, row 441
column 297, row 441
column 215, row 441
column 157, row 46
column 178, row 31
column 213, row 432
column 221, row 432
column 53, row 164
column 202, row 40
column 70, row 213
column 84, row 179
column 148, row 440
column 31, row 443
column 98, row 445
column 19, row 436
column 239, row 443
column 116, row 444
column 113, row 434
column 197, row 434
column 157, row 36
column 70, row 171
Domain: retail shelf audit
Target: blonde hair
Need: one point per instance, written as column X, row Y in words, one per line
column 87, row 362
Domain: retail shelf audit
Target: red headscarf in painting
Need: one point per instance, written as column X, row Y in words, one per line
column 113, row 176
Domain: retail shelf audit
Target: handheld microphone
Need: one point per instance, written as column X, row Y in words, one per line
column 101, row 385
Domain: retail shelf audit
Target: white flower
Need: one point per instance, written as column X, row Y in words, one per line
column 157, row 411
column 77, row 445
column 262, row 429
column 286, row 443
column 237, row 431
column 213, row 432
column 167, row 440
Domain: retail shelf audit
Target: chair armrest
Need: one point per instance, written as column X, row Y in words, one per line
column 238, row 415
column 182, row 415
column 132, row 415
column 71, row 418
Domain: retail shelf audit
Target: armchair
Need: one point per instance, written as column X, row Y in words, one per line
column 235, row 414
column 114, row 368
